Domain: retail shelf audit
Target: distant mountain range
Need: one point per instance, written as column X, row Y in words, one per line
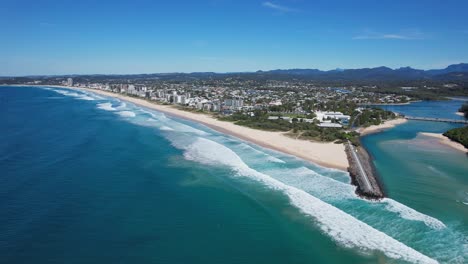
column 452, row 72
column 455, row 72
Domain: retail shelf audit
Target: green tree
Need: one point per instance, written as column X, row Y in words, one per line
column 464, row 110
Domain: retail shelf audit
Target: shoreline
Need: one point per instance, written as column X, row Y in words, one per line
column 329, row 155
column 379, row 128
column 445, row 141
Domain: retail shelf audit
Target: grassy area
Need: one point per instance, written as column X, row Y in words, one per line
column 295, row 129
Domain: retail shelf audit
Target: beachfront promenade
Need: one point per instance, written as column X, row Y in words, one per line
column 446, row 120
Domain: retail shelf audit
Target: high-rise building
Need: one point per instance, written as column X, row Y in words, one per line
column 234, row 103
column 70, row 82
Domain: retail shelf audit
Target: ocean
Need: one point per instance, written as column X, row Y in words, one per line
column 91, row 179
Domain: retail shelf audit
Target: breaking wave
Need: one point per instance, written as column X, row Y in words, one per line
column 329, row 189
column 411, row 214
column 126, row 114
column 275, row 159
column 165, row 128
column 106, row 106
column 340, row 226
column 321, row 193
column 269, row 158
column 317, row 184
column 79, row 96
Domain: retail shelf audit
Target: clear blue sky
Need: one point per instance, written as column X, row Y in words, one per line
column 84, row 36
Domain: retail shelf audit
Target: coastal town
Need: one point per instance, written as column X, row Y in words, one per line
column 291, row 110
column 300, row 108
column 327, row 107
column 219, row 95
column 227, row 132
column 319, row 123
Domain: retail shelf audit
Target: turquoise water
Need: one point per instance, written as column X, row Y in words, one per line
column 419, row 171
column 90, row 179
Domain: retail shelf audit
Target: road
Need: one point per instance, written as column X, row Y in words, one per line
column 361, row 169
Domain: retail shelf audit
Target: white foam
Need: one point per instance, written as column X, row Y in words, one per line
column 164, row 123
column 85, row 97
column 275, row 160
column 342, row 227
column 411, row 214
column 317, row 184
column 96, row 96
column 174, row 125
column 268, row 157
column 154, row 114
column 106, row 106
column 166, row 128
column 75, row 95
column 329, row 188
column 126, row 114
column 179, row 127
column 66, row 93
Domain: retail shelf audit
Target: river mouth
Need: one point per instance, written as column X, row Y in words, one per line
column 419, row 170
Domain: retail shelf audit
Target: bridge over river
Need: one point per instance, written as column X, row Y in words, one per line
column 446, row 120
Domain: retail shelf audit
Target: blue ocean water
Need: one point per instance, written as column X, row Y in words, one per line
column 435, row 109
column 91, row 179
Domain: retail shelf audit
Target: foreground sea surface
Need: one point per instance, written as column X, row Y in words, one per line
column 90, row 179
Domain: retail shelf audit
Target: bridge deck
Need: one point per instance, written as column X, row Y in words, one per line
column 447, row 120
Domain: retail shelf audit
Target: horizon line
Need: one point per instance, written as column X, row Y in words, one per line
column 226, row 72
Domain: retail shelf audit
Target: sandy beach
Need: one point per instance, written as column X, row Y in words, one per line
column 445, row 140
column 325, row 154
column 381, row 127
